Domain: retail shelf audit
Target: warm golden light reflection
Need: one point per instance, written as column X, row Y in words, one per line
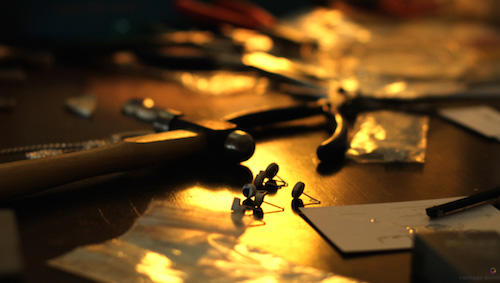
column 330, row 28
column 196, row 37
column 339, row 279
column 148, row 103
column 270, row 261
column 214, row 200
column 239, row 262
column 333, row 17
column 176, row 252
column 4, row 51
column 385, row 136
column 252, row 40
column 259, row 43
column 255, row 163
column 123, row 57
column 292, row 160
column 350, row 84
column 395, row 87
column 196, row 140
column 267, row 62
column 363, row 138
column 223, row 83
column 159, row 268
column 320, row 32
column 410, row 230
column 315, row 71
column 380, row 134
column 364, row 35
column 266, row 279
column 270, row 63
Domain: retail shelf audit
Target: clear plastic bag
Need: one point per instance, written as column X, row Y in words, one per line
column 172, row 244
column 387, row 136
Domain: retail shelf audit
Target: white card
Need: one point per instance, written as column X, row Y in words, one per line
column 482, row 119
column 391, row 226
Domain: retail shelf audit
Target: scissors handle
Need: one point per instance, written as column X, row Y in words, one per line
column 33, row 176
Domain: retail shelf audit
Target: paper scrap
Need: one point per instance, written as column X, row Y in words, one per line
column 83, row 106
column 391, row 226
column 484, row 120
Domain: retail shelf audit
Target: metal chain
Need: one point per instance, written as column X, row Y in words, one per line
column 49, row 149
column 54, row 146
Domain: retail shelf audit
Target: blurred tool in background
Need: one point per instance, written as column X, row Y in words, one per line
column 237, row 13
column 485, row 10
column 112, row 23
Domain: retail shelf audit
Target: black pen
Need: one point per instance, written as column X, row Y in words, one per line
column 452, row 206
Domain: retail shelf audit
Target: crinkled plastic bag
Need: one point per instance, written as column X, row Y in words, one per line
column 172, row 244
column 388, row 136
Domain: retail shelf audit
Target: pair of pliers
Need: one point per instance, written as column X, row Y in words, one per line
column 179, row 137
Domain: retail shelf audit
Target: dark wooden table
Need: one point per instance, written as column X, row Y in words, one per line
column 98, row 209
